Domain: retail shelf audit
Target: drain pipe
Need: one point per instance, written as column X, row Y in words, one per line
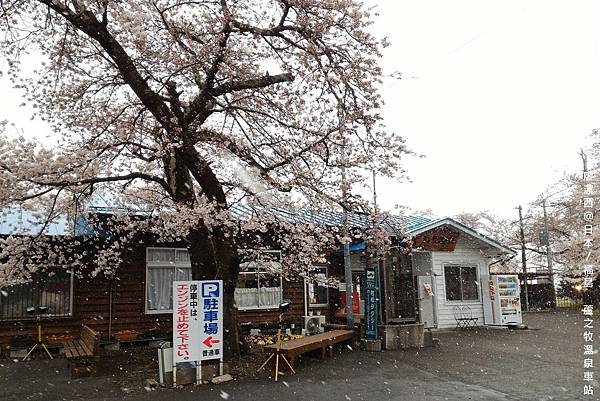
column 305, row 298
column 110, row 302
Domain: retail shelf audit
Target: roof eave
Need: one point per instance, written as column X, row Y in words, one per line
column 462, row 227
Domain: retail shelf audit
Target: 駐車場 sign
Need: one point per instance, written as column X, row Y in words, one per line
column 197, row 320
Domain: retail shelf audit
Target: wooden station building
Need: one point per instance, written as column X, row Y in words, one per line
column 448, row 266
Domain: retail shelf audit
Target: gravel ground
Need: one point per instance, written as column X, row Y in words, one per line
column 544, row 363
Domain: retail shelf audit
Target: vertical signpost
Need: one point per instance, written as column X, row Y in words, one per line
column 197, row 324
column 211, row 338
column 370, row 304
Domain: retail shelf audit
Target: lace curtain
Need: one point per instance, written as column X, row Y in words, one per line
column 160, row 286
column 257, row 297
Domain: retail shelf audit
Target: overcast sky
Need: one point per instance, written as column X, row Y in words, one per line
column 498, row 95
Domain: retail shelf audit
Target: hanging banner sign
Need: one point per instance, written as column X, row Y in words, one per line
column 211, row 309
column 187, row 324
column 370, row 304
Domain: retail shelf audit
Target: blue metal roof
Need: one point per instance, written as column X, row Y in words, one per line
column 19, row 222
column 331, row 218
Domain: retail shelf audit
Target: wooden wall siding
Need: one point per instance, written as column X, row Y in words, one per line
column 91, row 306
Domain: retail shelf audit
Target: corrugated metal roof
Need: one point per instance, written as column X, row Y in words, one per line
column 20, row 222
column 330, row 218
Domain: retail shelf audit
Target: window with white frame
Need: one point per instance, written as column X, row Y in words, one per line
column 163, row 266
column 259, row 284
column 318, row 292
column 461, row 283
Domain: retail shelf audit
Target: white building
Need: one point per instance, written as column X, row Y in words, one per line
column 458, row 277
column 446, row 274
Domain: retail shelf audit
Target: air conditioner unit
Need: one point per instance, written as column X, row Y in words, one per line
column 314, row 324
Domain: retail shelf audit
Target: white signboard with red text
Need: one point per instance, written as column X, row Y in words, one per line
column 197, row 320
column 187, row 324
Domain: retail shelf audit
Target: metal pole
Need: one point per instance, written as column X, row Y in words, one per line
column 348, row 278
column 549, row 254
column 523, row 257
column 174, row 371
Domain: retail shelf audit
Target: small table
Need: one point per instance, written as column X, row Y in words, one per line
column 464, row 317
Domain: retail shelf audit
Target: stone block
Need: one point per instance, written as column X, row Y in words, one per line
column 402, row 336
column 112, row 346
column 372, row 345
column 221, row 379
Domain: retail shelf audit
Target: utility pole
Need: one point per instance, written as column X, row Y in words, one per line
column 584, row 159
column 548, row 250
column 382, row 282
column 347, row 266
column 523, row 257
column 549, row 254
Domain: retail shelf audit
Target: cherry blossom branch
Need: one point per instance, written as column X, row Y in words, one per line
column 87, row 23
column 96, row 180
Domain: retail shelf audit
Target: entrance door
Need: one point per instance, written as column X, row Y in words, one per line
column 404, row 289
column 426, row 313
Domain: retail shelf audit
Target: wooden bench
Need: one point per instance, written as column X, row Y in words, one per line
column 82, row 352
column 294, row 348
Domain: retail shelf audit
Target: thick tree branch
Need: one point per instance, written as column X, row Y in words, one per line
column 95, row 180
column 256, row 83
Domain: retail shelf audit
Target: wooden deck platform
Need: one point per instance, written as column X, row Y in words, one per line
column 294, row 348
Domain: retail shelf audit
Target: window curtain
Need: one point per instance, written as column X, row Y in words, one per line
column 257, row 297
column 161, row 255
column 269, row 296
column 246, row 297
column 160, row 286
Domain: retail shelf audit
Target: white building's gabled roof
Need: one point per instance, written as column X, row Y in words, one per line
column 447, row 221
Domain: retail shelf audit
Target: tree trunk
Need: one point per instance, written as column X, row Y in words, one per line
column 213, row 252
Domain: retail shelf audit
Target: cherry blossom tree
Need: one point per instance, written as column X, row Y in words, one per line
column 184, row 109
column 569, row 212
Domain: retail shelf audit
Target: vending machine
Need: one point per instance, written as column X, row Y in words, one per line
column 505, row 299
